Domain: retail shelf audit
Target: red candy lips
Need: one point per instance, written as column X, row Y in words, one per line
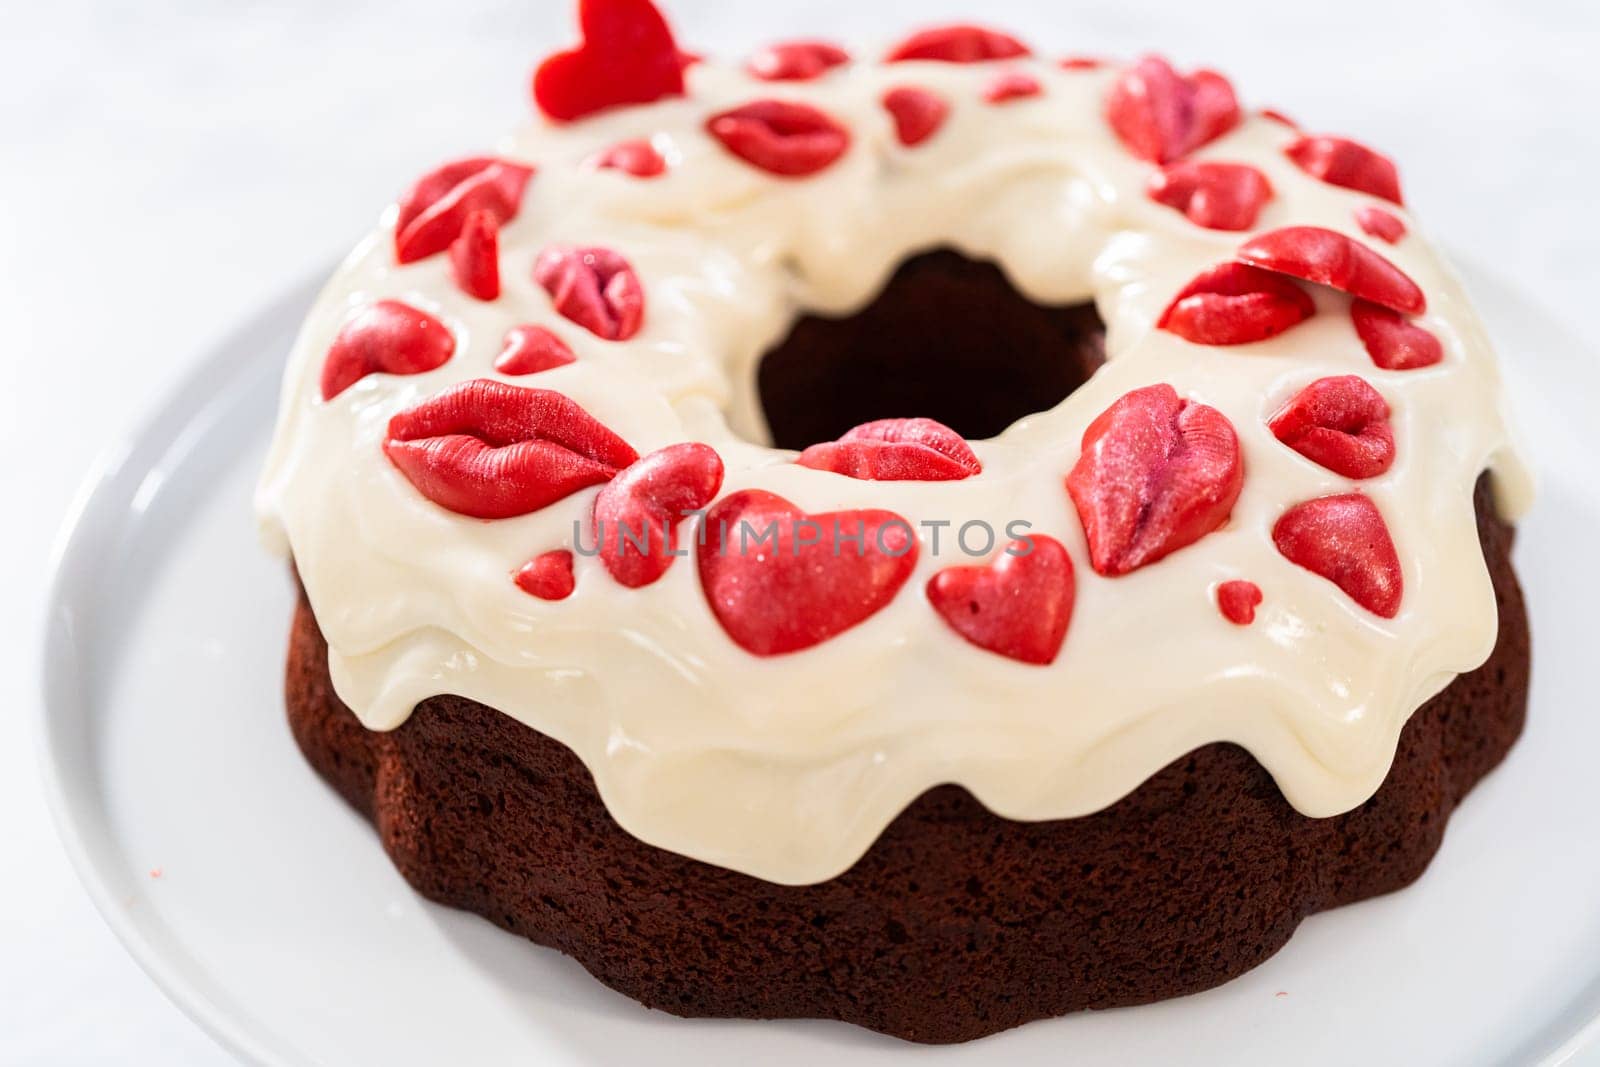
column 1017, row 607
column 1393, row 341
column 490, row 450
column 636, row 515
column 1341, row 423
column 1157, row 473
column 1235, row 304
column 958, row 44
column 779, row 580
column 781, row 137
column 896, row 450
column 796, row 61
column 1346, row 163
column 1340, row 262
column 1218, row 196
column 1161, row 115
column 1345, row 540
column 595, row 288
column 627, row 56
column 387, row 337
column 918, row 114
column 433, row 214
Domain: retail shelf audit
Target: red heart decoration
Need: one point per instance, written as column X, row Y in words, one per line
column 1238, row 600
column 1018, row 607
column 475, row 257
column 796, row 61
column 531, row 349
column 958, row 44
column 785, row 138
column 1341, row 423
column 1158, row 472
column 1232, row 304
column 1393, row 341
column 548, row 577
column 918, row 114
column 1011, row 85
column 628, row 56
column 1161, row 115
column 1345, row 540
column 811, row 579
column 896, row 450
column 1218, row 196
column 1342, row 162
column 431, row 216
column 387, row 337
column 1340, row 262
column 1384, row 225
column 638, row 158
column 637, row 513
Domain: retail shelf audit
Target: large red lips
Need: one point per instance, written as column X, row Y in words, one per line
column 494, row 451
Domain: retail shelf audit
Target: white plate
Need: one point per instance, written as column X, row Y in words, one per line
column 266, row 909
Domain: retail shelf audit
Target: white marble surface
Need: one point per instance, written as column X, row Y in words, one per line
column 169, row 166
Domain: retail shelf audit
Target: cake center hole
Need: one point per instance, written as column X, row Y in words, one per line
column 949, row 338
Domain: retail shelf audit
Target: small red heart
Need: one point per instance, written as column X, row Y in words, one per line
column 958, row 44
column 781, row 137
column 918, row 114
column 548, row 577
column 1011, row 85
column 531, row 349
column 1238, row 600
column 475, row 257
column 796, row 61
column 1345, row 540
column 1341, row 423
column 1018, row 607
column 387, row 337
column 1161, row 115
column 1218, row 196
column 896, row 450
column 627, row 56
column 1335, row 260
column 1393, row 341
column 1348, row 164
column 1232, row 304
column 637, row 513
column 811, row 578
column 1384, row 225
column 638, row 158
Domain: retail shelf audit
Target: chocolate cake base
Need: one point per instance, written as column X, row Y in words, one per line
column 956, row 923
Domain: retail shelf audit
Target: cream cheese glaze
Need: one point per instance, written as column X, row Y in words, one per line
column 787, row 768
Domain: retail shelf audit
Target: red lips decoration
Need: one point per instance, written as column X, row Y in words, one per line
column 796, row 61
column 1238, row 600
column 1342, row 162
column 1161, row 115
column 781, row 137
column 1345, row 540
column 1341, row 423
column 1232, row 304
column 781, row 595
column 436, row 209
column 387, row 337
column 1017, row 607
column 1158, row 472
column 595, row 288
column 494, row 451
column 531, row 349
column 958, row 44
column 475, row 257
column 1393, row 341
column 1011, row 85
column 1384, row 225
column 638, row 158
column 636, row 515
column 548, row 577
column 896, row 450
column 627, row 56
column 918, row 114
column 1334, row 260
column 1218, row 196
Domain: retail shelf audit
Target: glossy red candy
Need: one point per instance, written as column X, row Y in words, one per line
column 638, row 158
column 918, row 114
column 1218, row 196
column 782, row 137
column 796, row 61
column 594, row 287
column 896, row 450
column 489, row 450
column 548, row 577
column 1018, row 606
column 1238, row 600
column 1342, row 162
column 627, row 56
column 1161, row 115
column 475, row 257
column 432, row 215
column 387, row 337
column 1384, row 225
column 1332, row 259
column 636, row 515
column 1393, row 341
column 779, row 580
column 1233, row 304
column 1011, row 85
column 1345, row 540
column 958, row 44
column 1341, row 423
column 1157, row 473
column 531, row 349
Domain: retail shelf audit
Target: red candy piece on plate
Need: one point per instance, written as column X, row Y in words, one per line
column 1232, row 304
column 475, row 257
column 1161, row 115
column 1345, row 163
column 1334, row 260
column 1158, row 472
column 1017, row 607
column 958, row 44
column 1385, row 225
column 594, row 287
column 918, row 113
column 494, row 451
column 896, row 450
column 638, row 158
column 1341, row 423
column 531, row 349
column 636, row 515
column 1393, row 341
column 779, row 580
column 548, row 577
column 1345, row 540
column 1011, row 85
column 387, row 337
column 1238, row 600
column 436, row 209
column 796, row 61
column 627, row 56
column 1218, row 196
column 781, row 137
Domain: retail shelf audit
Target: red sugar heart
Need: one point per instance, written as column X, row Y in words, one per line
column 595, row 288
column 475, row 257
column 638, row 158
column 387, row 337
column 796, row 61
column 432, row 214
column 785, row 592
column 918, row 114
column 1345, row 540
column 1332, row 259
column 1238, row 600
column 1384, row 225
column 1018, row 607
column 636, row 515
column 1218, row 196
column 1393, row 341
column 1161, row 115
column 958, row 44
column 627, row 56
column 896, row 450
column 531, row 349
column 548, row 577
column 1342, row 162
column 1232, row 304
column 1341, row 423
column 781, row 137
column 1011, row 85
column 1158, row 472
